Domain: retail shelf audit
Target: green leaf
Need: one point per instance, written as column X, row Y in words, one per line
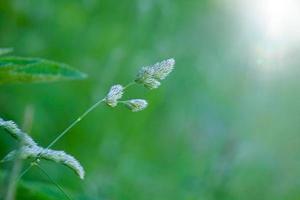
column 5, row 51
column 29, row 70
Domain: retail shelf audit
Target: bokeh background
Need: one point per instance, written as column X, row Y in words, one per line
column 224, row 125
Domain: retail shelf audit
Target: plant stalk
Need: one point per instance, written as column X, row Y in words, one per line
column 17, row 165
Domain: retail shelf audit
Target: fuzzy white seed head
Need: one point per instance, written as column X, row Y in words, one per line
column 34, row 152
column 144, row 74
column 24, row 152
column 163, row 69
column 151, row 75
column 136, row 105
column 115, row 93
column 151, row 83
column 65, row 159
column 17, row 133
column 30, row 149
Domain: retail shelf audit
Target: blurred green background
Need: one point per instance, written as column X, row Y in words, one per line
column 224, row 125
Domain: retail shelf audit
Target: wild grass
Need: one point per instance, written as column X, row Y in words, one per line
column 149, row 77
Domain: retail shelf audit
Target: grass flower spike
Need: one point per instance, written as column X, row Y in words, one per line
column 151, row 83
column 136, row 105
column 115, row 93
column 30, row 149
column 15, row 132
column 65, row 159
column 151, row 76
column 163, row 69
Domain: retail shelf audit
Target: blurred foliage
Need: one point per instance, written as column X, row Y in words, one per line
column 4, row 51
column 41, row 190
column 28, row 70
column 224, row 125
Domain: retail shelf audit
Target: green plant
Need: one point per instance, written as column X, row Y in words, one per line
column 16, row 69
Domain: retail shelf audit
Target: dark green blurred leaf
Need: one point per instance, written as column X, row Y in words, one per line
column 21, row 70
column 29, row 190
column 38, row 191
column 43, row 191
column 5, row 51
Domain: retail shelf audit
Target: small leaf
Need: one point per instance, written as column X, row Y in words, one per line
column 5, row 51
column 29, row 70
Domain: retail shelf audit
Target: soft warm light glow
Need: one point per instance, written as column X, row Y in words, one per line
column 281, row 18
column 277, row 20
column 273, row 30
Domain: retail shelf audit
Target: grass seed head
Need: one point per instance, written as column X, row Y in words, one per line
column 151, row 76
column 115, row 93
column 136, row 105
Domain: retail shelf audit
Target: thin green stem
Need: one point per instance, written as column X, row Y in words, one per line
column 56, row 184
column 71, row 126
column 81, row 117
column 17, row 166
column 129, row 84
column 62, row 134
column 24, row 172
column 12, row 184
column 74, row 123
